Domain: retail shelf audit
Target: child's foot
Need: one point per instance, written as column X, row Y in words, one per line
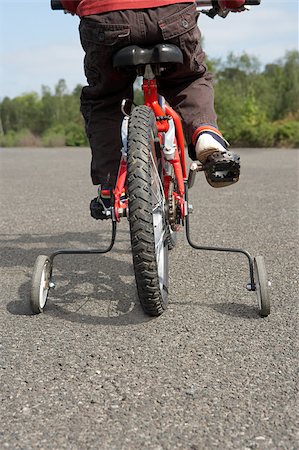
column 222, row 168
column 208, row 141
column 100, row 207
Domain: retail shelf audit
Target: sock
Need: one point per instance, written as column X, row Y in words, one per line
column 205, row 138
column 206, row 141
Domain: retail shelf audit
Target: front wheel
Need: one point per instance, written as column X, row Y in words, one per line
column 148, row 228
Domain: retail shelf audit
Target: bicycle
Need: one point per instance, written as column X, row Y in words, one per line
column 153, row 176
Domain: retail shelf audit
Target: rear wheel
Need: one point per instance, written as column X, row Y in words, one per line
column 148, row 228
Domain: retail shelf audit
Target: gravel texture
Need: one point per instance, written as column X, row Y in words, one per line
column 93, row 371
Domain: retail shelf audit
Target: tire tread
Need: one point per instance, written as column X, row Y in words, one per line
column 141, row 123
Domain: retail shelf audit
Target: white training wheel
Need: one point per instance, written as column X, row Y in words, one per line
column 40, row 284
column 261, row 285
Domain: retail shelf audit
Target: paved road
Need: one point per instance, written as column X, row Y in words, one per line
column 93, row 372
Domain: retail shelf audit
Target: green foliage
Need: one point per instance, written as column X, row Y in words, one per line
column 255, row 106
column 54, row 137
column 8, row 139
column 51, row 119
column 20, row 138
column 286, row 133
column 75, row 135
column 72, row 135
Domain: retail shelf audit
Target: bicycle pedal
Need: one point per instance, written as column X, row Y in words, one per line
column 98, row 211
column 222, row 169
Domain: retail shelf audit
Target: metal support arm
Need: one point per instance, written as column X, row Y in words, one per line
column 90, row 251
column 250, row 287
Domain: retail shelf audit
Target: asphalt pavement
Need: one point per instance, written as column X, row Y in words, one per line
column 93, row 371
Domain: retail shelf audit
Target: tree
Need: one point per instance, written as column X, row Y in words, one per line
column 255, row 106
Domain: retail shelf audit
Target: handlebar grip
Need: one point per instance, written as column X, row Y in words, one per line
column 252, row 2
column 56, row 4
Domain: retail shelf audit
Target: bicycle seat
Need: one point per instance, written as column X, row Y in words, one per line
column 133, row 55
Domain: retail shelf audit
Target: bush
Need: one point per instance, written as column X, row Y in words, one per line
column 54, row 137
column 75, row 135
column 54, row 140
column 8, row 139
column 268, row 134
column 22, row 138
column 260, row 135
column 25, row 138
column 286, row 133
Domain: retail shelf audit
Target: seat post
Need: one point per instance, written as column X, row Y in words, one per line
column 151, row 98
column 149, row 86
column 148, row 72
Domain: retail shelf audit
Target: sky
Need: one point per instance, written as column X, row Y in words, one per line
column 39, row 46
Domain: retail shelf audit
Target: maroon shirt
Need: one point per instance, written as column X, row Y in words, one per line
column 87, row 7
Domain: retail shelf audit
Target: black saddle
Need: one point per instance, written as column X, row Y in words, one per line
column 133, row 55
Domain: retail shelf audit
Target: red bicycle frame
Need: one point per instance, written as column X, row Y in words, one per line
column 151, row 99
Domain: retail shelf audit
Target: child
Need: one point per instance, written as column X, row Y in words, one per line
column 108, row 25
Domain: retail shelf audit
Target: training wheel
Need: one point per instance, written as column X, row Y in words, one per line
column 40, row 284
column 261, row 285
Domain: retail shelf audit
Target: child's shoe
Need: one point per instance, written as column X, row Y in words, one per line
column 100, row 207
column 221, row 167
column 208, row 141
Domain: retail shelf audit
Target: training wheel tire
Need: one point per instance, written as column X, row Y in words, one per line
column 261, row 286
column 41, row 277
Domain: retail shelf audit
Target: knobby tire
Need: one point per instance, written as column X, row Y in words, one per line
column 141, row 153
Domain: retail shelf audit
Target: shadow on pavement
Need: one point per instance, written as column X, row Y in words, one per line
column 90, row 289
column 229, row 309
column 236, row 310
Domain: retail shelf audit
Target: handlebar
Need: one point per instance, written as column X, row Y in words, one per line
column 211, row 3
column 211, row 7
column 56, row 4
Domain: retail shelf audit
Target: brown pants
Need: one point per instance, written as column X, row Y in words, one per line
column 188, row 89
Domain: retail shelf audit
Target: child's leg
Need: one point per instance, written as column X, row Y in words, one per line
column 101, row 99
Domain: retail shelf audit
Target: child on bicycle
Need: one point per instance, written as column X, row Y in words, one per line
column 108, row 25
